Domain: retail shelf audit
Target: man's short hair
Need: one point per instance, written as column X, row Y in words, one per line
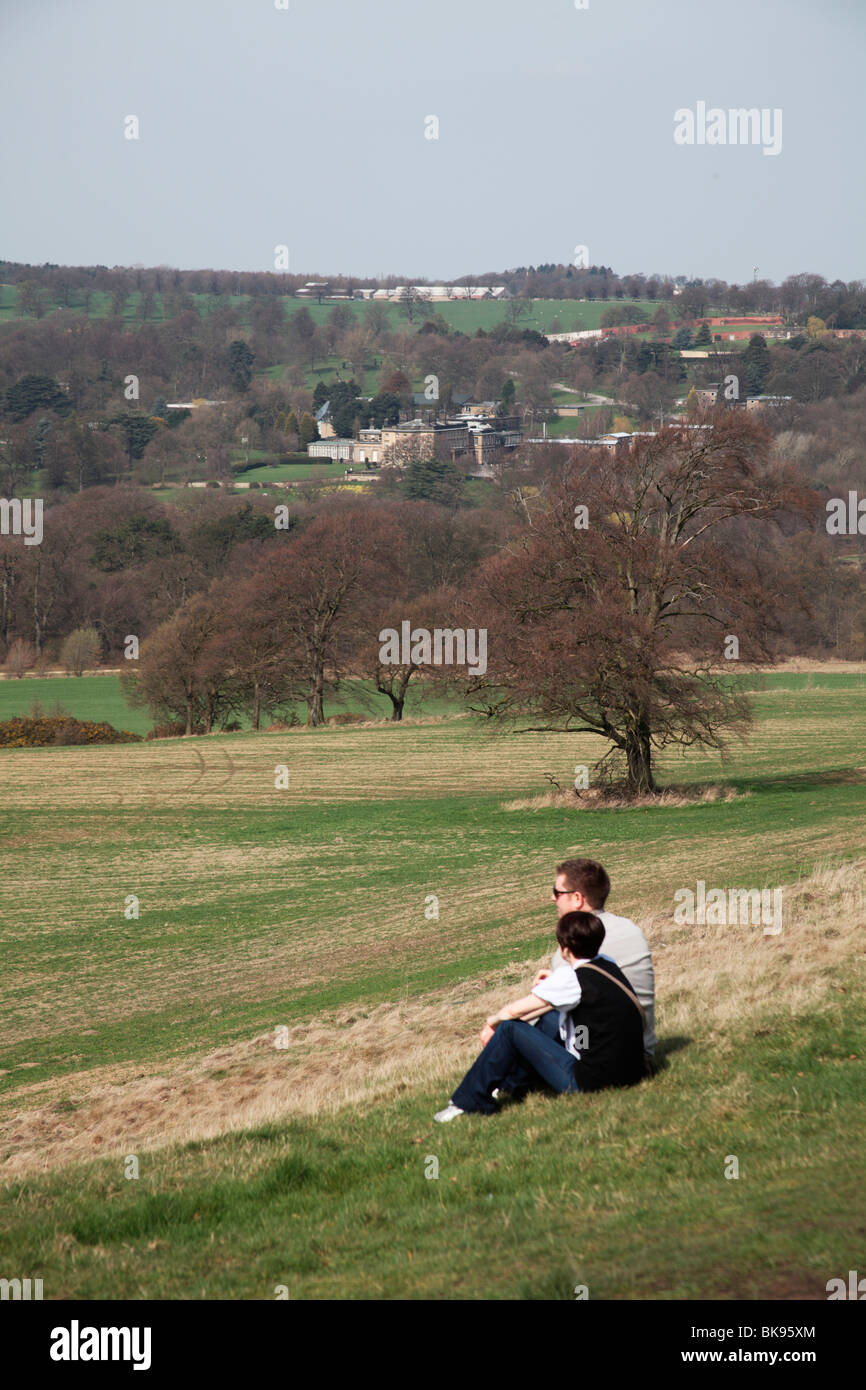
column 581, row 932
column 588, row 877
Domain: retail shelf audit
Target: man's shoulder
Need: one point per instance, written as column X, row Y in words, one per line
column 621, row 929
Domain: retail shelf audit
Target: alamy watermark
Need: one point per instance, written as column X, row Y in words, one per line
column 736, row 126
column 444, row 646
column 20, row 1290
column 77, row 1343
column 855, row 1288
column 22, row 518
column 720, row 907
column 846, row 517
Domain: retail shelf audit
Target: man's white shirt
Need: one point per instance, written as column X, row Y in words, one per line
column 625, row 944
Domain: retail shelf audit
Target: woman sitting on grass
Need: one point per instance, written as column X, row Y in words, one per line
column 595, row 1040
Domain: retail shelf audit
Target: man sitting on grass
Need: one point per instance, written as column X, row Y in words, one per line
column 600, row 1036
column 583, row 885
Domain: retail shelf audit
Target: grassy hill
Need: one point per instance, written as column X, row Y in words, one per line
column 303, row 910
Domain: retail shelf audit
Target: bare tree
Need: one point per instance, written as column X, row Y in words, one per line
column 317, row 591
column 81, row 649
column 632, row 561
column 20, row 657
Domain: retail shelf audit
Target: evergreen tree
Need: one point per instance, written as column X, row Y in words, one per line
column 35, row 392
column 344, row 407
column 434, row 480
column 138, row 431
column 308, row 430
column 241, row 358
column 756, row 365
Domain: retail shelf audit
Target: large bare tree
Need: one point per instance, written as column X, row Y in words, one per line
column 611, row 613
column 318, row 591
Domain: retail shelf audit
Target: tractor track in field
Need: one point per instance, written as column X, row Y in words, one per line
column 204, row 767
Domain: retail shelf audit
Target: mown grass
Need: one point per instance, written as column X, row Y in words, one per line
column 624, row 1193
column 261, row 908
column 295, row 472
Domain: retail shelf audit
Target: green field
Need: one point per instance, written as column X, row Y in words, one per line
column 294, row 472
column 304, row 909
column 100, row 698
column 566, row 426
column 464, row 316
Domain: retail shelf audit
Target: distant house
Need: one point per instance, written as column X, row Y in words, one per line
column 707, row 395
column 475, row 434
column 438, row 293
column 323, row 420
column 334, row 449
column 365, row 450
column 760, row 402
column 576, row 335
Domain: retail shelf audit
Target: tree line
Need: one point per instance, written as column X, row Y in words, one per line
column 842, row 304
column 608, row 601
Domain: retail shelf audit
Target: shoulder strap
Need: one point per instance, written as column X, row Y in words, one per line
column 625, row 989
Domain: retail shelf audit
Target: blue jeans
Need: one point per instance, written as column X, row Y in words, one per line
column 518, row 1058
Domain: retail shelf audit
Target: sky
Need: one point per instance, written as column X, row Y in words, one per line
column 308, row 124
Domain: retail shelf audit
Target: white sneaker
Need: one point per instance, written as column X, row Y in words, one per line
column 495, row 1093
column 450, row 1112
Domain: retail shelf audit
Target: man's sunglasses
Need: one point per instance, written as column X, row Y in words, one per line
column 562, row 892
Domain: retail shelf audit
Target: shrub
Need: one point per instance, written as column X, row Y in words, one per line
column 48, row 731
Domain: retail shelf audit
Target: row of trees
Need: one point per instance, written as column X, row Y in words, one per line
column 606, row 612
column 117, row 560
column 799, row 295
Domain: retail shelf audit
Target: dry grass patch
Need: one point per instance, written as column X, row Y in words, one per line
column 735, row 971
column 606, row 799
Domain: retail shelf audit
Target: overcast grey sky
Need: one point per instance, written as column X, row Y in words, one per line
column 305, row 126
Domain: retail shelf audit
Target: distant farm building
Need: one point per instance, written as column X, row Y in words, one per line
column 436, row 293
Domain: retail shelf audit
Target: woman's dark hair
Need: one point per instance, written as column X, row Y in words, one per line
column 581, row 933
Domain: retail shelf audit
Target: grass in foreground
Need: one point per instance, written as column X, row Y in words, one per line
column 628, row 1193
column 306, row 910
